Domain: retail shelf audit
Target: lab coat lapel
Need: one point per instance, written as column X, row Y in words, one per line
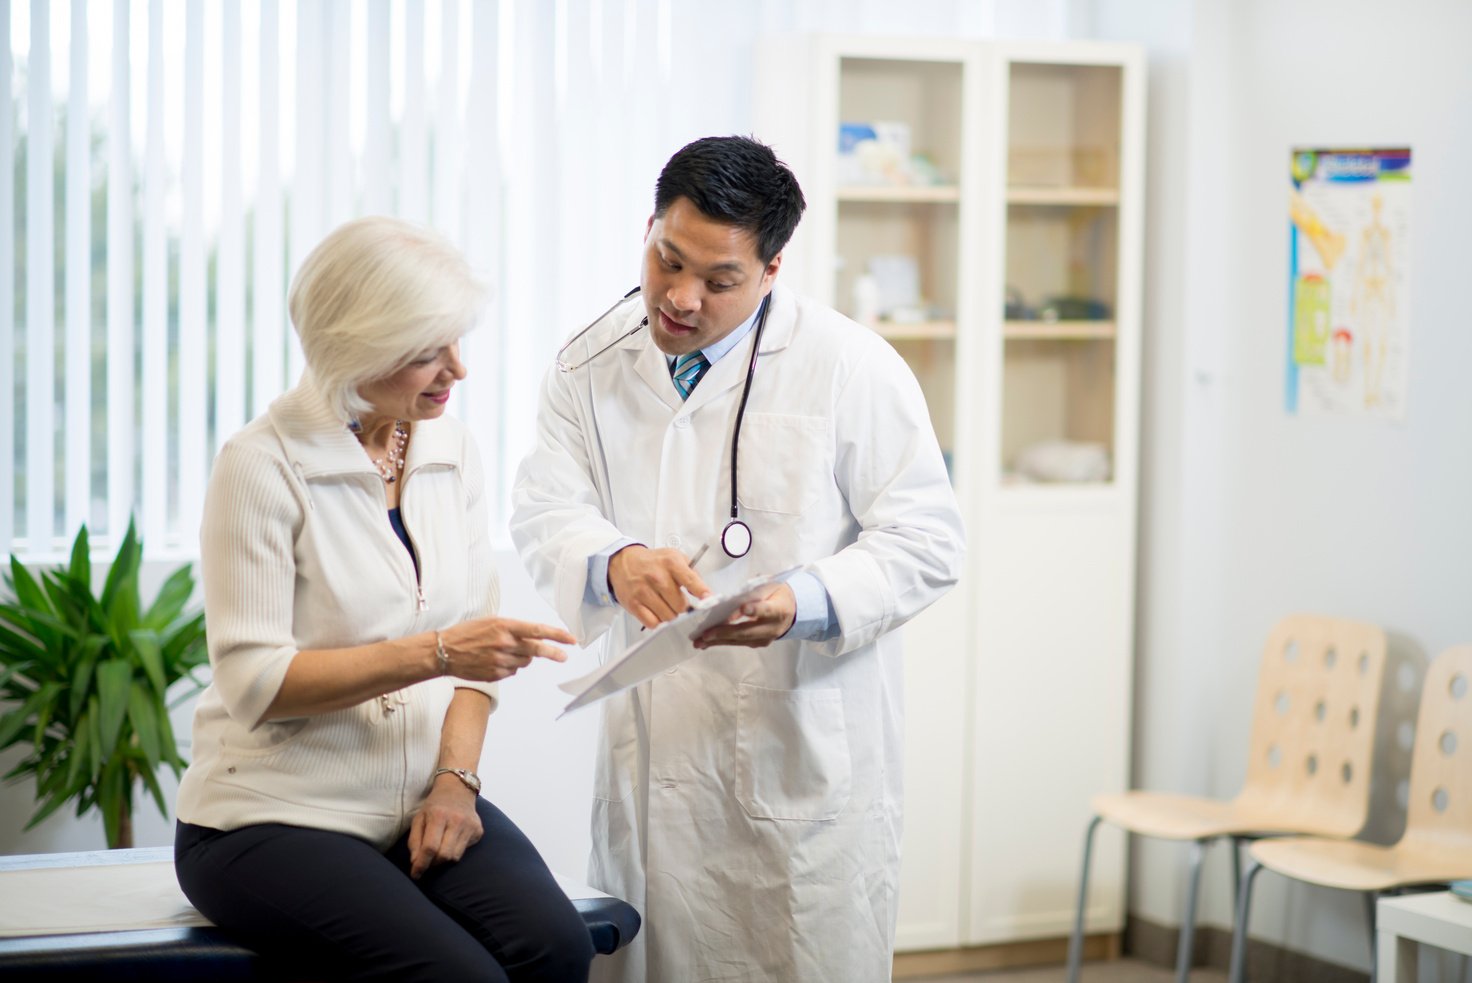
column 651, row 366
column 730, row 372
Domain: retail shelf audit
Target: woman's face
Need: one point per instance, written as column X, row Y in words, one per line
column 421, row 389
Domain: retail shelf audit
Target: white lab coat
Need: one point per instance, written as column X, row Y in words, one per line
column 748, row 802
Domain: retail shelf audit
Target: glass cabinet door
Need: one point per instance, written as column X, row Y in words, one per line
column 1061, row 273
column 897, row 215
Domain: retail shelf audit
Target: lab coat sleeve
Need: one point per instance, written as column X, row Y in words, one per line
column 484, row 590
column 888, row 465
column 558, row 520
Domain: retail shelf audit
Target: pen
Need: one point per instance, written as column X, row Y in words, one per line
column 693, row 560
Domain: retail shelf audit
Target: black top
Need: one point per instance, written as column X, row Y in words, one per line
column 397, row 521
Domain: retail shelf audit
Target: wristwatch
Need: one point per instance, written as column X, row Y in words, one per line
column 470, row 778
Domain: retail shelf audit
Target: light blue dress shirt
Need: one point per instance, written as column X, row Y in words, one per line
column 815, row 621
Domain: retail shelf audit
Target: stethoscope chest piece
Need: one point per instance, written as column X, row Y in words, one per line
column 736, row 539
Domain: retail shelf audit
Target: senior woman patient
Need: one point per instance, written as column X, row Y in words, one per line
column 330, row 815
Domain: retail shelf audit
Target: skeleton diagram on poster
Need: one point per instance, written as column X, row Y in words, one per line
column 1349, row 218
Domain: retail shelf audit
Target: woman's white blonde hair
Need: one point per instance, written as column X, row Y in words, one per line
column 374, row 295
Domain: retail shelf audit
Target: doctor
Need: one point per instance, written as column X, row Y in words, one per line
column 748, row 802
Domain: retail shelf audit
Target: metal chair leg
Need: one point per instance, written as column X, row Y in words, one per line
column 1237, row 842
column 1371, row 898
column 1238, row 971
column 1076, row 942
column 1188, row 922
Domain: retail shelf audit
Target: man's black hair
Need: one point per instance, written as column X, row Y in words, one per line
column 738, row 181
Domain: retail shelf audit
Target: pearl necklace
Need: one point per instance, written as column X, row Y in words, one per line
column 392, row 464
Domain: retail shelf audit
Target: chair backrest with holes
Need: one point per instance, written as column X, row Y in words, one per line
column 1313, row 724
column 1440, row 810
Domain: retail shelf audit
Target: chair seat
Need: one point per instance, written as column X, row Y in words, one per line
column 1355, row 866
column 1168, row 816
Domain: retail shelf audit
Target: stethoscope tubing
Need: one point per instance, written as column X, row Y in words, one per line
column 735, row 527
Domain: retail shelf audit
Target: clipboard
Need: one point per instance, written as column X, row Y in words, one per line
column 664, row 647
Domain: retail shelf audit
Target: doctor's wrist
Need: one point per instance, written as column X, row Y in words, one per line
column 614, row 558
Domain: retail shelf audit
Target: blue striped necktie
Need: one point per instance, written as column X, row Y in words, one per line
column 687, row 371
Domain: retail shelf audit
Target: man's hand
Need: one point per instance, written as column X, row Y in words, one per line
column 444, row 826
column 757, row 624
column 647, row 583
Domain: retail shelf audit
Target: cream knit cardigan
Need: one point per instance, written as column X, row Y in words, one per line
column 296, row 552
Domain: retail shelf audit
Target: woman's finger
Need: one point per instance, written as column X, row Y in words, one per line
column 532, row 629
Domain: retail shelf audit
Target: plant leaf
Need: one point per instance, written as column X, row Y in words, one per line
column 44, row 626
column 54, row 802
column 69, row 608
column 74, row 601
column 145, row 644
column 33, row 622
column 144, row 716
column 14, row 723
column 168, row 743
column 81, row 566
column 124, row 566
column 184, row 646
column 172, row 597
column 80, row 749
column 27, row 591
column 81, row 686
column 110, row 791
column 151, row 781
column 15, row 647
column 97, row 754
column 114, row 682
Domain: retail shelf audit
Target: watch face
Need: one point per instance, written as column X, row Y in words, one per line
column 473, row 780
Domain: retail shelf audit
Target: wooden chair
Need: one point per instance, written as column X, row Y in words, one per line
column 1308, row 770
column 1436, row 847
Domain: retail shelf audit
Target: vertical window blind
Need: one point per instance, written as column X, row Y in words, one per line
column 165, row 165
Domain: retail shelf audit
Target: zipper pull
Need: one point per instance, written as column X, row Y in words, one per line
column 423, row 601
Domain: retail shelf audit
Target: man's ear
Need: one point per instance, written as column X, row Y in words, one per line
column 770, row 273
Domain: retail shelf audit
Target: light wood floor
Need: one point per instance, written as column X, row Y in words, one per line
column 1110, row 971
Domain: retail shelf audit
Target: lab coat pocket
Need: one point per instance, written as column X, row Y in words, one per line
column 785, row 461
column 792, row 757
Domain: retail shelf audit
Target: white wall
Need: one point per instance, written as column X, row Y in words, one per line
column 1250, row 513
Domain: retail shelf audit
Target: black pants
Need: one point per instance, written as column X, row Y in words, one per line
column 333, row 905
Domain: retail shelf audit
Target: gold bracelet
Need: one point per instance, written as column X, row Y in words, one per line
column 440, row 655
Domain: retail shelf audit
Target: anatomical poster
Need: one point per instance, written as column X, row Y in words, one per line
column 1349, row 224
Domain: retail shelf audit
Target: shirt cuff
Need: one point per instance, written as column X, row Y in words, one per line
column 816, row 620
column 599, row 592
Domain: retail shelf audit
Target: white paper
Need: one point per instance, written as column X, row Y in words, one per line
column 664, row 647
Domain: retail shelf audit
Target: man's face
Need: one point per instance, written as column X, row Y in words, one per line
column 702, row 278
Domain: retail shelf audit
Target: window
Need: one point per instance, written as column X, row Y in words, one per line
column 166, row 164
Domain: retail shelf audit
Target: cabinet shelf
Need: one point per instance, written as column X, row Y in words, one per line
column 901, row 194
column 916, row 330
column 1095, row 197
column 1058, row 330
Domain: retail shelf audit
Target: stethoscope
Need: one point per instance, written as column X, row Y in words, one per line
column 736, row 538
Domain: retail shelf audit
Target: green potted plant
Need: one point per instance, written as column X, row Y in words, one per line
column 85, row 679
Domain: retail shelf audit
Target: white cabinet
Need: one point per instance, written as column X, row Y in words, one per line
column 979, row 204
